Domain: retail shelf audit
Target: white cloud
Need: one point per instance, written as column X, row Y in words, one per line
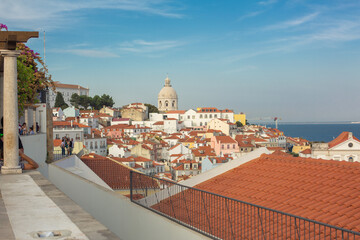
column 250, row 15
column 96, row 53
column 47, row 14
column 293, row 23
column 142, row 46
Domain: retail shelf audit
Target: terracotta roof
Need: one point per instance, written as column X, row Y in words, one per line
column 159, row 123
column 203, row 151
column 68, row 124
column 322, row 190
column 73, row 86
column 225, row 139
column 115, row 174
column 306, row 151
column 176, row 112
column 341, row 138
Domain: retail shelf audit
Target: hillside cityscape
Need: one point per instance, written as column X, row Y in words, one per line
column 252, row 134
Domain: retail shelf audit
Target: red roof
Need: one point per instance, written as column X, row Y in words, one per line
column 176, row 112
column 68, row 124
column 306, row 151
column 114, row 174
column 159, row 123
column 322, row 190
column 341, row 138
column 225, row 139
column 72, row 86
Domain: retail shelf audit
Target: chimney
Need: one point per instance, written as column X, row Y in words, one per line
column 350, row 135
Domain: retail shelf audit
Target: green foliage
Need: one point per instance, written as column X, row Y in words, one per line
column 32, row 76
column 60, row 102
column 294, row 154
column 239, row 124
column 95, row 102
column 74, row 100
column 152, row 108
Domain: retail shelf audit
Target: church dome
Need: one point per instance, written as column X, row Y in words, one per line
column 167, row 92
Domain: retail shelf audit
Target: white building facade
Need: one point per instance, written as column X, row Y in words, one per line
column 67, row 90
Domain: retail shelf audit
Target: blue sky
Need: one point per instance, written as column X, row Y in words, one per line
column 295, row 59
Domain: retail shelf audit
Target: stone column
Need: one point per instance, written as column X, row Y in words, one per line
column 10, row 107
column 1, row 86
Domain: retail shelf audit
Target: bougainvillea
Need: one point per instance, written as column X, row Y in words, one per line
column 32, row 75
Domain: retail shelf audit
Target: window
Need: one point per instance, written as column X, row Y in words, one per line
column 160, row 105
column 200, row 123
column 77, row 136
column 57, row 136
column 193, row 117
column 188, row 117
column 215, row 115
column 205, row 116
column 233, row 146
column 166, row 103
column 91, row 145
column 222, row 146
column 173, row 103
column 96, row 145
column 200, row 115
column 210, row 116
column 228, row 146
column 351, row 159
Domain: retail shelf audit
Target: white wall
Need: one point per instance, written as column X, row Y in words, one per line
column 124, row 218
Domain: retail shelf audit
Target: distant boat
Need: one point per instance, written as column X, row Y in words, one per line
column 355, row 122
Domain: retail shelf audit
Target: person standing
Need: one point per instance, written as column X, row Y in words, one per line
column 37, row 127
column 63, row 147
column 71, row 146
column 67, row 146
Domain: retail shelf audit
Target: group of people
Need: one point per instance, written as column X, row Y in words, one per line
column 67, row 146
column 25, row 162
column 24, row 131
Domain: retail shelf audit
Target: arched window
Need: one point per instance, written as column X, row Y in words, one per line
column 351, row 159
column 200, row 123
column 166, row 103
column 173, row 103
column 160, row 105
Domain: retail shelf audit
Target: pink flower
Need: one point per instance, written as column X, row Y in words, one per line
column 3, row 26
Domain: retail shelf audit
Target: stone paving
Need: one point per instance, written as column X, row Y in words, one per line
column 28, row 202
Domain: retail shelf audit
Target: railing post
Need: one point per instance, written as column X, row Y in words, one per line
column 131, row 186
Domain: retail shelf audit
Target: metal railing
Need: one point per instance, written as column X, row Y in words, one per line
column 220, row 217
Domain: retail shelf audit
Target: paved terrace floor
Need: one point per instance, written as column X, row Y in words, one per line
column 30, row 203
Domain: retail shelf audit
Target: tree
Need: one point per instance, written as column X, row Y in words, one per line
column 85, row 101
column 239, row 124
column 107, row 101
column 96, row 102
column 75, row 99
column 152, row 108
column 60, row 102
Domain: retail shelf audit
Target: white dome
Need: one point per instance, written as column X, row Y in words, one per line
column 167, row 92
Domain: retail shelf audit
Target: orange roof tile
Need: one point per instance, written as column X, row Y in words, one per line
column 322, row 190
column 341, row 138
column 115, row 174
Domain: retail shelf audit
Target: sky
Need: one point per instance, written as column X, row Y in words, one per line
column 293, row 59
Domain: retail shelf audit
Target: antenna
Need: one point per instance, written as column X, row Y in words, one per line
column 44, row 51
